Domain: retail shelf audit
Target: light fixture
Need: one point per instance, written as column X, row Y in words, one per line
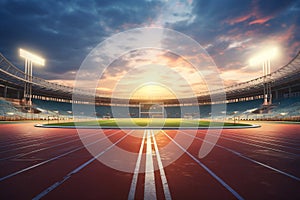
column 32, row 57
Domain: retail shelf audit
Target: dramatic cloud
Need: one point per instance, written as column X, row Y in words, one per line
column 231, row 31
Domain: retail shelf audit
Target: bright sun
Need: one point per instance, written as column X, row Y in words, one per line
column 152, row 91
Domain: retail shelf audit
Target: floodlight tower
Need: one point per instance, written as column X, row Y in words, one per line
column 264, row 59
column 267, row 82
column 30, row 58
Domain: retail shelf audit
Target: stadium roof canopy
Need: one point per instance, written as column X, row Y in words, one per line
column 13, row 77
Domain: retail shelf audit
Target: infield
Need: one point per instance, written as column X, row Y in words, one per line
column 149, row 123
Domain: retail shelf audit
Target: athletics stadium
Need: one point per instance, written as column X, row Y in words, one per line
column 148, row 113
column 266, row 156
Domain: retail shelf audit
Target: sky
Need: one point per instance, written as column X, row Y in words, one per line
column 230, row 31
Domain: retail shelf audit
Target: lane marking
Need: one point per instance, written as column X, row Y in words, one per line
column 263, row 142
column 25, row 140
column 278, row 137
column 36, row 144
column 278, row 140
column 206, row 169
column 69, row 175
column 45, row 148
column 10, row 141
column 52, row 159
column 161, row 170
column 22, row 142
column 248, row 158
column 136, row 170
column 256, row 145
column 149, row 189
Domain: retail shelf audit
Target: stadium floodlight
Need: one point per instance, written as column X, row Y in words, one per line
column 267, row 54
column 264, row 58
column 32, row 57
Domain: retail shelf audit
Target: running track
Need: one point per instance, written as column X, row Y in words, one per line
column 40, row 163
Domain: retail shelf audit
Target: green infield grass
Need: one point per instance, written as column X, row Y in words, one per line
column 147, row 123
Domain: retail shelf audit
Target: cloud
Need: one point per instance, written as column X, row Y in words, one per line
column 261, row 20
column 239, row 19
column 236, row 44
column 65, row 31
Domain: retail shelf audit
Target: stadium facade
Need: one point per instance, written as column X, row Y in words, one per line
column 284, row 83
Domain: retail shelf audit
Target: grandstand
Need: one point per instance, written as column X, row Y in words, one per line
column 8, row 111
column 244, row 100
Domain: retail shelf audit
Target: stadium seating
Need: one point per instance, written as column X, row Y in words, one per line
column 9, row 111
column 63, row 108
column 287, row 107
column 281, row 109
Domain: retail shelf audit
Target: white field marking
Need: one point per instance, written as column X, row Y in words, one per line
column 247, row 158
column 69, row 175
column 12, row 141
column 278, row 137
column 136, row 170
column 36, row 144
column 278, row 140
column 263, row 142
column 45, row 148
column 24, row 141
column 28, row 140
column 149, row 190
column 206, row 169
column 256, row 145
column 52, row 159
column 161, row 170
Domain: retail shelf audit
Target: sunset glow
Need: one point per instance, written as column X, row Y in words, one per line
column 153, row 91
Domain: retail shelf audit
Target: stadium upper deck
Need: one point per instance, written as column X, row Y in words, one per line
column 285, row 82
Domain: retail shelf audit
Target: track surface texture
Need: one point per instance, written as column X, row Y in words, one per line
column 53, row 163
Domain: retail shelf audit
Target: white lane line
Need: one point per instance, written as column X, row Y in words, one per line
column 69, row 175
column 28, row 140
column 25, row 139
column 161, row 170
column 36, row 144
column 22, row 142
column 206, row 169
column 247, row 158
column 136, row 170
column 149, row 189
column 259, row 141
column 45, row 148
column 52, row 159
column 256, row 145
column 278, row 137
column 278, row 140
column 10, row 141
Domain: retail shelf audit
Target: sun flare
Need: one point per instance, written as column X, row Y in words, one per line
column 152, row 91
